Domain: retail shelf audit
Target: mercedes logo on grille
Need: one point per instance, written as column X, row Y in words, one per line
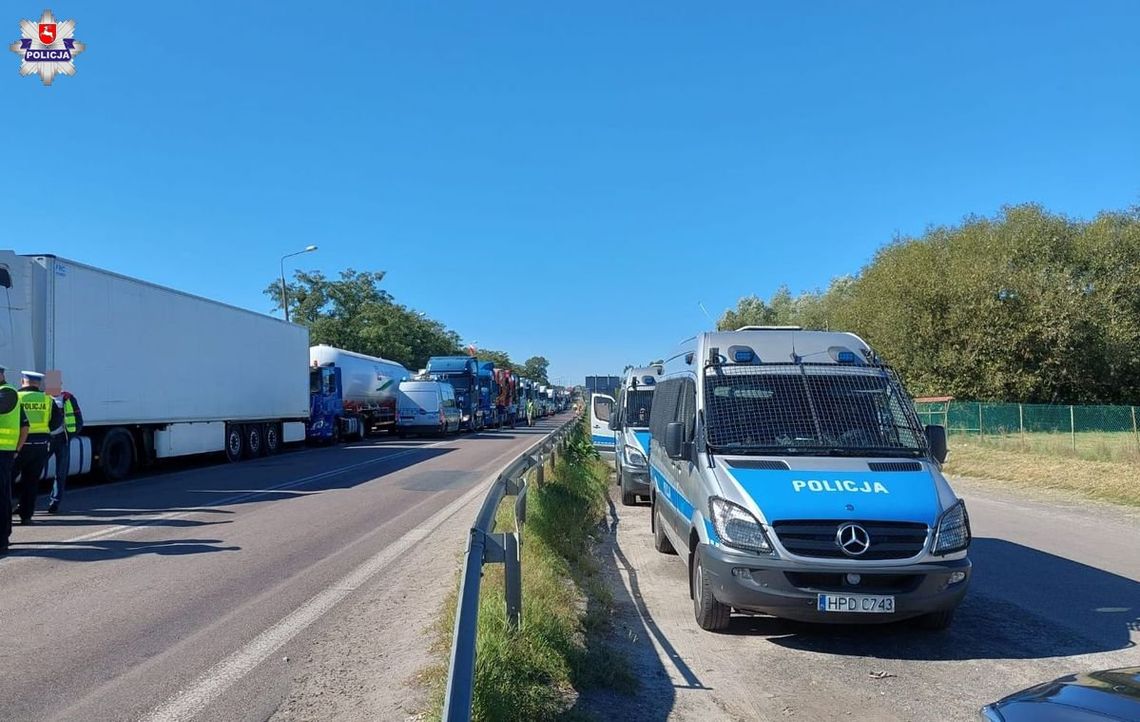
column 853, row 539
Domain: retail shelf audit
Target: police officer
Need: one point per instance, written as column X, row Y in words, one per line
column 13, row 433
column 61, row 445
column 43, row 416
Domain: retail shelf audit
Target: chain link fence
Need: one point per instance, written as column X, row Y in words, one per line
column 1096, row 433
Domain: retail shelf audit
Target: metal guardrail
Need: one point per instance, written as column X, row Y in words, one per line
column 485, row 546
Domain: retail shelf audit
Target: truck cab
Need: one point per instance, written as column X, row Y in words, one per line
column 328, row 420
column 462, row 372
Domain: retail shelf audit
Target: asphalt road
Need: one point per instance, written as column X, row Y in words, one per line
column 213, row 593
column 1056, row 590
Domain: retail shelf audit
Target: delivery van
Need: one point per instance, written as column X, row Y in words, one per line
column 426, row 407
column 630, row 424
column 792, row 476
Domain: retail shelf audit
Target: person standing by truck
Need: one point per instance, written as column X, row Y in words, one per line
column 61, row 445
column 13, row 433
column 530, row 412
column 43, row 416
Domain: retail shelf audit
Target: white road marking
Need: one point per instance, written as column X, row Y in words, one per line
column 213, row 684
column 122, row 529
column 210, row 686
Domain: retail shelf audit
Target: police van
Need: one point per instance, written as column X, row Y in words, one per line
column 790, row 472
column 630, row 424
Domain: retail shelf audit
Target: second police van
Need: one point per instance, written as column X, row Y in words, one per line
column 630, row 424
column 790, row 472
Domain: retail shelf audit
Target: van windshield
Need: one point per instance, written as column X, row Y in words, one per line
column 424, row 398
column 637, row 407
column 810, row 409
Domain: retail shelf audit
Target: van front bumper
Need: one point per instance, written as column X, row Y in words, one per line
column 791, row 589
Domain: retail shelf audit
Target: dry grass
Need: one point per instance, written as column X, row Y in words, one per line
column 1043, row 465
column 1121, row 447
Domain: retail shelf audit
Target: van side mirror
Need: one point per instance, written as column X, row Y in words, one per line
column 936, row 440
column 675, row 440
column 615, row 425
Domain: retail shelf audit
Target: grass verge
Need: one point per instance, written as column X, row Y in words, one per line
column 1111, row 481
column 534, row 674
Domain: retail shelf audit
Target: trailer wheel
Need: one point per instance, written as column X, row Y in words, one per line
column 272, row 439
column 235, row 443
column 117, row 454
column 253, row 438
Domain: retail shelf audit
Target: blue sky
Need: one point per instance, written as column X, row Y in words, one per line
column 565, row 179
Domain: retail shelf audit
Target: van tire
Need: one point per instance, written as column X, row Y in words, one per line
column 711, row 615
column 660, row 542
column 936, row 621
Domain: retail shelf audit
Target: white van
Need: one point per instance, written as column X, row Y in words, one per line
column 601, row 414
column 792, row 475
column 425, row 407
column 630, row 424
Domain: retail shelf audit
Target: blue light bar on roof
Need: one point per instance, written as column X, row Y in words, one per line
column 648, row 380
column 846, row 357
column 743, row 356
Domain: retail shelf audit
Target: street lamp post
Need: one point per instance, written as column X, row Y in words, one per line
column 284, row 288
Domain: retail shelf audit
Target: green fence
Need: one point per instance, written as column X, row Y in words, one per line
column 1104, row 433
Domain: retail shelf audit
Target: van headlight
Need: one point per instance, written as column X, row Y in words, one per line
column 953, row 533
column 634, row 457
column 737, row 527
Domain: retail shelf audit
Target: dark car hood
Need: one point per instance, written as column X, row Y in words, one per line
column 1095, row 697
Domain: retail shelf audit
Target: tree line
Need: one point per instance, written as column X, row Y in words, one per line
column 354, row 313
column 1026, row 306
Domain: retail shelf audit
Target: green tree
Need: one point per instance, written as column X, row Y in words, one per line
column 1024, row 306
column 355, row 314
column 535, row 369
column 500, row 358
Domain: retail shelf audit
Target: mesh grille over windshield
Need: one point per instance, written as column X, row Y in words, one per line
column 638, row 405
column 802, row 407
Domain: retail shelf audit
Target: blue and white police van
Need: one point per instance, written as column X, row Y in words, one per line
column 791, row 474
column 630, row 424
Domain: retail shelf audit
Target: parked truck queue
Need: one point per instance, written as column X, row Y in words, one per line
column 160, row 376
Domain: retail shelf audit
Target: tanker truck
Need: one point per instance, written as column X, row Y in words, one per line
column 350, row 394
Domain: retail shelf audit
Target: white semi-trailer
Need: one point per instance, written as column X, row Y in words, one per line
column 158, row 373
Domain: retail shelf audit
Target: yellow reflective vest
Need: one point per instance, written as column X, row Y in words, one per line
column 69, row 421
column 37, row 407
column 9, row 424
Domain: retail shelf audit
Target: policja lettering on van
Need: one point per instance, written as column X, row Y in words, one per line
column 866, row 487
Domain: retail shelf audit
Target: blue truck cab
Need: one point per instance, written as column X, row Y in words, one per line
column 328, row 419
column 791, row 474
column 463, row 373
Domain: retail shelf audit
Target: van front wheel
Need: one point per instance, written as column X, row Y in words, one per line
column 660, row 542
column 711, row 615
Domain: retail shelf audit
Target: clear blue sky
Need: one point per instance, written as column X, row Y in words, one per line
column 565, row 179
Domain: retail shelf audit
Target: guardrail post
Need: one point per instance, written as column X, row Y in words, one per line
column 512, row 574
column 553, row 456
column 540, row 474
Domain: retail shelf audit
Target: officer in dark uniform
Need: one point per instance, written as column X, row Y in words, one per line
column 13, row 433
column 43, row 416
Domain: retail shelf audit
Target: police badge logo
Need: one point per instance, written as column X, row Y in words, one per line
column 47, row 47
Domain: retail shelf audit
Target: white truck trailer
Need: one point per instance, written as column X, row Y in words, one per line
column 158, row 373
